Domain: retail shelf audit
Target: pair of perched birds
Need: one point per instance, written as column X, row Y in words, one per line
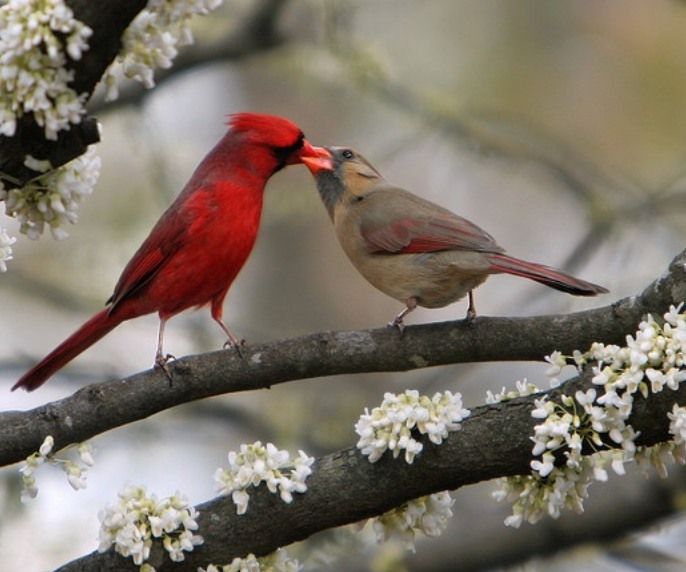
column 409, row 248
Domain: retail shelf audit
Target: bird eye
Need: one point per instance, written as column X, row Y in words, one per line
column 347, row 154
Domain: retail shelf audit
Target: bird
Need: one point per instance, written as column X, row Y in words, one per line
column 200, row 243
column 410, row 248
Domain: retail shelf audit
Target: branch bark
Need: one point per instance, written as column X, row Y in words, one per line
column 108, row 20
column 103, row 406
column 345, row 488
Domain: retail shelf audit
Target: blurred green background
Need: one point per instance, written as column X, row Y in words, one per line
column 559, row 127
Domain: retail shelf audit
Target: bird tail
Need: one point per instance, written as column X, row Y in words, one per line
column 545, row 275
column 94, row 329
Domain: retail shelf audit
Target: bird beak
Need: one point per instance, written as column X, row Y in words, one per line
column 317, row 159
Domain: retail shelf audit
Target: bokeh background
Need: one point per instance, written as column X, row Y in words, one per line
column 558, row 127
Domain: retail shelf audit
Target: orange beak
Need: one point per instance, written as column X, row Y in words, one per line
column 316, row 158
column 307, row 150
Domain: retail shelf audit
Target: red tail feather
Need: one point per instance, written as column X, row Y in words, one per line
column 79, row 341
column 545, row 275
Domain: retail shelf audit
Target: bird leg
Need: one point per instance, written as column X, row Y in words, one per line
column 397, row 322
column 161, row 360
column 232, row 341
column 471, row 309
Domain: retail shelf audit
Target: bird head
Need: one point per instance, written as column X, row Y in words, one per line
column 283, row 139
column 340, row 172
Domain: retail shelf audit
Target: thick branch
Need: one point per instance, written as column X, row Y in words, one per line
column 108, row 19
column 345, row 488
column 102, row 406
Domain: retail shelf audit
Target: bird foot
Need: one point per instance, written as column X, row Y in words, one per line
column 397, row 323
column 470, row 317
column 162, row 361
column 235, row 344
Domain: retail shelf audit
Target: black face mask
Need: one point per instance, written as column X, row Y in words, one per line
column 283, row 154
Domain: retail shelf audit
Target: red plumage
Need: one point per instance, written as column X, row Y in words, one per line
column 200, row 243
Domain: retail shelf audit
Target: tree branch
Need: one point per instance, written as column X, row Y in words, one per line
column 345, row 488
column 103, row 406
column 256, row 33
column 108, row 19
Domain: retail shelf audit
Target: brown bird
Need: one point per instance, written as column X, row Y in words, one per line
column 412, row 249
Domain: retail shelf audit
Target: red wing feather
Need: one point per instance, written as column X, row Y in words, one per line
column 162, row 242
column 142, row 267
column 429, row 234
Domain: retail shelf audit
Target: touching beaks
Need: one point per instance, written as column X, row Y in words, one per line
column 316, row 158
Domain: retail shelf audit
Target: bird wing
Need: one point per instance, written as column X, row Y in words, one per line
column 400, row 222
column 162, row 242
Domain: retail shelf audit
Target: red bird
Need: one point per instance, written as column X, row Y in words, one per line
column 412, row 249
column 200, row 243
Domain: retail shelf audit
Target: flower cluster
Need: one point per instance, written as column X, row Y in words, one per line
column 522, row 389
column 533, row 496
column 651, row 361
column 428, row 515
column 677, row 424
column 53, row 197
column 36, row 39
column 255, row 464
column 152, row 39
column 571, row 423
column 137, row 519
column 278, row 561
column 392, row 425
column 6, row 242
column 73, row 469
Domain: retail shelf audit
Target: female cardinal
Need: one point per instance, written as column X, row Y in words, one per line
column 196, row 249
column 412, row 249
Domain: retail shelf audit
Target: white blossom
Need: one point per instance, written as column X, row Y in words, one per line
column 46, row 447
column 660, row 455
column 33, row 59
column 400, row 418
column 677, row 424
column 522, row 389
column 557, row 361
column 278, row 561
column 254, row 464
column 85, row 451
column 75, row 475
column 428, row 515
column 6, row 242
column 533, row 497
column 38, row 165
column 598, row 419
column 152, row 40
column 137, row 519
column 53, row 198
column 73, row 470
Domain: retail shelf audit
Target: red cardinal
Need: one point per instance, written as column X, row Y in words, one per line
column 412, row 249
column 200, row 243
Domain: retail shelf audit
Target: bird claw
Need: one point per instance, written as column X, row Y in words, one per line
column 161, row 362
column 237, row 345
column 470, row 317
column 397, row 323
